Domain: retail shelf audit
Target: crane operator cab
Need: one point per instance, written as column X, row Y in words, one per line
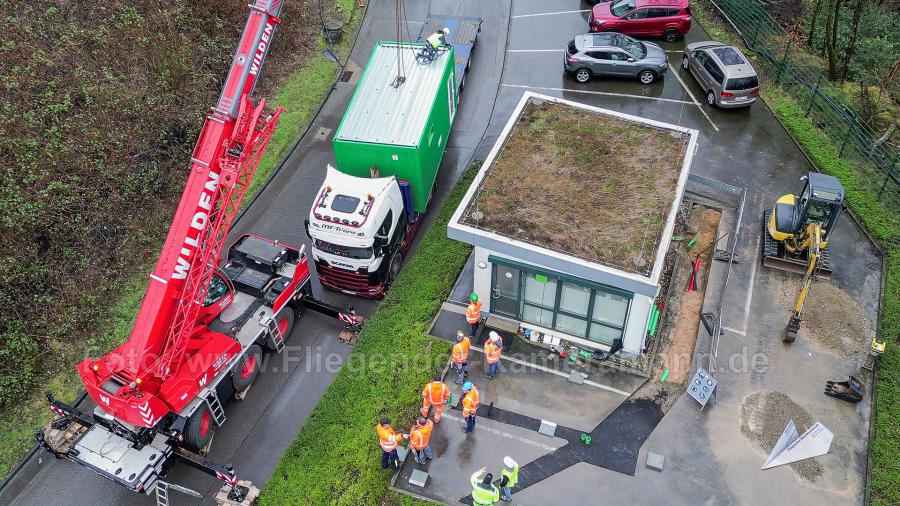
column 787, row 238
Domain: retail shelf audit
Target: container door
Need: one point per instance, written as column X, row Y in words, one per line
column 505, row 291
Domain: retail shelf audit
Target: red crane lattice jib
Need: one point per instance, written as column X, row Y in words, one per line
column 231, row 142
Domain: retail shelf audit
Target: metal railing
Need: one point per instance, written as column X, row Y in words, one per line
column 803, row 77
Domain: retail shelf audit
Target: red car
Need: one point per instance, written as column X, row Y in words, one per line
column 667, row 19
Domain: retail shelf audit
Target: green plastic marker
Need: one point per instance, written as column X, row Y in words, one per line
column 693, row 242
column 664, row 376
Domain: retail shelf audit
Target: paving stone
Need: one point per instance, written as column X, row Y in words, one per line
column 655, row 461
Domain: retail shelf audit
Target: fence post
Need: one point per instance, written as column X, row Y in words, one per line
column 784, row 61
column 888, row 174
column 815, row 90
column 755, row 33
column 846, row 138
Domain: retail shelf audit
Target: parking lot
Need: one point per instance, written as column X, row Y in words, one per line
column 707, row 459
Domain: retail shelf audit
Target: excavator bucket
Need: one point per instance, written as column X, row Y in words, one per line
column 851, row 390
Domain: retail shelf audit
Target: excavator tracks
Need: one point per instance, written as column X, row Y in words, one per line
column 774, row 255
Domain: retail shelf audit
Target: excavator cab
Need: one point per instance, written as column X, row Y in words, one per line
column 787, row 223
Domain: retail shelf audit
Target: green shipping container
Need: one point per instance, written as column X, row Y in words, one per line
column 400, row 130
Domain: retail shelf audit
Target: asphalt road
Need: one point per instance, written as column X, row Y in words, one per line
column 259, row 428
column 520, row 47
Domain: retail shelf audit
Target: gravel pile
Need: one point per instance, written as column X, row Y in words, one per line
column 764, row 415
column 830, row 316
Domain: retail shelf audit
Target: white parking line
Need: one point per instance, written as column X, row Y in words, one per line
column 534, row 50
column 674, row 72
column 482, row 428
column 558, row 373
column 603, row 93
column 550, row 13
column 756, row 262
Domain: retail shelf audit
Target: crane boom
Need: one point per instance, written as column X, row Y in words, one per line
column 231, row 142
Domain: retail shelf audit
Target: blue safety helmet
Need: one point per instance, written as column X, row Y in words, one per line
column 467, row 386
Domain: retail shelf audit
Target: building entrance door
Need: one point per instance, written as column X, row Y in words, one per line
column 505, row 291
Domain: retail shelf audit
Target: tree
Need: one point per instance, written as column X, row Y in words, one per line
column 812, row 26
column 854, row 29
column 832, row 24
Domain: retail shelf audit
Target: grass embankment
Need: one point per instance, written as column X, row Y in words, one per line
column 884, row 225
column 300, row 94
column 335, row 457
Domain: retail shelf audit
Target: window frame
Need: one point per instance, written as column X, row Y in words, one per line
column 557, row 310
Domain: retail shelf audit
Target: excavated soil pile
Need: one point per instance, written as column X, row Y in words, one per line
column 764, row 415
column 831, row 318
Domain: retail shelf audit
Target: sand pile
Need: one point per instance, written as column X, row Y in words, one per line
column 764, row 415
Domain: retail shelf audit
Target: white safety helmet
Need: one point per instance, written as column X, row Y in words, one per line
column 494, row 336
column 445, row 30
column 509, row 462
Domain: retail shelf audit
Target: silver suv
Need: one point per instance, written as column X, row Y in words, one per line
column 723, row 72
column 614, row 54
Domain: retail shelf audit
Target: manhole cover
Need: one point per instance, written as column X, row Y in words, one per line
column 322, row 133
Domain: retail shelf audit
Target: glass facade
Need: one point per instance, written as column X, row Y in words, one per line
column 555, row 301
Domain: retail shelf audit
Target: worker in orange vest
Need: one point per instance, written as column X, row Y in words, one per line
column 459, row 358
column 419, row 435
column 388, row 439
column 492, row 352
column 435, row 393
column 473, row 314
column 470, row 404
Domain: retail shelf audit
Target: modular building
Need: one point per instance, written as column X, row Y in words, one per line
column 571, row 217
column 399, row 118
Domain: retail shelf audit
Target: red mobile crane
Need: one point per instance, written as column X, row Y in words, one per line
column 201, row 329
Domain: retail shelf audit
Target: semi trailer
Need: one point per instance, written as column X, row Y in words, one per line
column 205, row 318
column 388, row 150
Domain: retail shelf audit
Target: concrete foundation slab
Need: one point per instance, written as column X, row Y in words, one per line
column 458, row 455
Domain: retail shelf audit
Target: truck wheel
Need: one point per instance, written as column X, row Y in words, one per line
column 247, row 368
column 396, row 265
column 199, row 429
column 285, row 321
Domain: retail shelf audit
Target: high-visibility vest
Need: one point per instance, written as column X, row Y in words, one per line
column 473, row 312
column 483, row 495
column 492, row 351
column 436, row 392
column 471, row 402
column 419, row 435
column 436, row 39
column 460, row 351
column 388, row 439
column 512, row 476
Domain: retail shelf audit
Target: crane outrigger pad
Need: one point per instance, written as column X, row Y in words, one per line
column 774, row 255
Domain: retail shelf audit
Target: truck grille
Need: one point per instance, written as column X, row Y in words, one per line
column 344, row 280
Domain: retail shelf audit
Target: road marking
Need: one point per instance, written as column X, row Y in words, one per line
column 534, row 50
column 675, row 51
column 558, row 373
column 507, row 435
column 550, row 13
column 686, row 89
column 604, row 93
column 743, row 331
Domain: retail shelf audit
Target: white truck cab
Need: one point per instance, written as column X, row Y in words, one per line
column 360, row 231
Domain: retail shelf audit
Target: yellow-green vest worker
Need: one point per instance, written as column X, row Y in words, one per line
column 436, row 39
column 509, row 477
column 484, row 493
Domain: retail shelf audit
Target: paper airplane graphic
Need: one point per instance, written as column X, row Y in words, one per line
column 791, row 447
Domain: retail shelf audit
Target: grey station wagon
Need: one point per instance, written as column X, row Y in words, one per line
column 723, row 72
column 616, row 55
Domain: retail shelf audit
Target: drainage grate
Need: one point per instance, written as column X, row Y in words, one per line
column 345, row 76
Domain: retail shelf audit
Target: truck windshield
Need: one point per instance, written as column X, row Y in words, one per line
column 344, row 251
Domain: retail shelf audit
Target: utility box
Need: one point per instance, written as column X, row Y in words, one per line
column 399, row 118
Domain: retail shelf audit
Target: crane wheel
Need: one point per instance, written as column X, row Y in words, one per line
column 247, row 368
column 285, row 321
column 198, row 431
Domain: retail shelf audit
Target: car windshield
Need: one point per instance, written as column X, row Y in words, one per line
column 621, row 7
column 742, row 83
column 344, row 251
column 635, row 48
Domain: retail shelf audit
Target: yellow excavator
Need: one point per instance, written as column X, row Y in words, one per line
column 796, row 236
